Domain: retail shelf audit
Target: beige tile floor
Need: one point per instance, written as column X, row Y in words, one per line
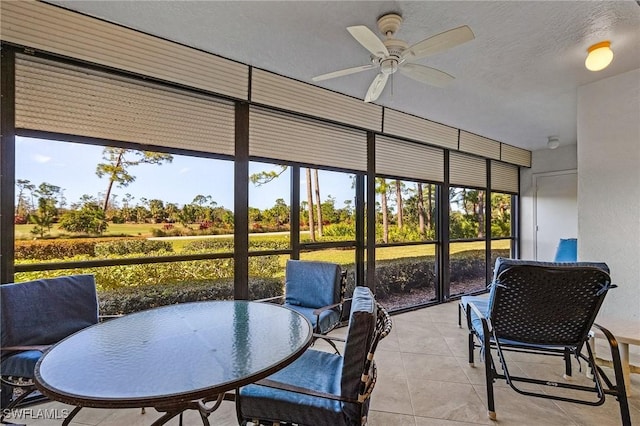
column 424, row 380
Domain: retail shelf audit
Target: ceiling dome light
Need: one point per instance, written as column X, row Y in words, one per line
column 599, row 57
column 553, row 142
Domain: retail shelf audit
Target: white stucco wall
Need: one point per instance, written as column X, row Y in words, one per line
column 542, row 161
column 608, row 128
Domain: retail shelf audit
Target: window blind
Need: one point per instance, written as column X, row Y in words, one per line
column 281, row 136
column 395, row 157
column 68, row 99
column 467, row 170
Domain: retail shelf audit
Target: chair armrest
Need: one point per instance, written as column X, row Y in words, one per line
column 7, row 351
column 23, row 348
column 325, row 337
column 297, row 389
column 269, row 299
column 318, row 311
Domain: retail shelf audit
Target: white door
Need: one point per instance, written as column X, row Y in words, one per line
column 556, row 210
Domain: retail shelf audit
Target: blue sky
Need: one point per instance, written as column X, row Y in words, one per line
column 72, row 167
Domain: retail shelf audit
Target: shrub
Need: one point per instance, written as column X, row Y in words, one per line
column 216, row 245
column 56, row 249
column 153, row 274
column 340, row 230
column 123, row 247
column 209, row 245
column 403, row 275
column 133, row 299
column 467, row 265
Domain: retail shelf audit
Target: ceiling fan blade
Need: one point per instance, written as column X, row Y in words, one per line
column 369, row 40
column 344, row 72
column 438, row 43
column 427, row 75
column 377, row 85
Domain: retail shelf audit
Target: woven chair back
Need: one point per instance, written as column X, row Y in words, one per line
column 547, row 305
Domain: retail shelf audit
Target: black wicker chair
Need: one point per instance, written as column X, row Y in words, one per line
column 545, row 309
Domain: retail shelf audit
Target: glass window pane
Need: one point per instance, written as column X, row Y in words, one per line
column 405, row 211
column 266, row 276
column 269, row 206
column 467, row 267
column 333, row 217
column 118, row 202
column 466, row 213
column 500, row 215
column 405, row 276
column 500, row 248
column 124, row 289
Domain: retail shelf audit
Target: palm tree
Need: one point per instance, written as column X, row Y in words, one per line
column 382, row 189
column 318, row 202
column 312, row 229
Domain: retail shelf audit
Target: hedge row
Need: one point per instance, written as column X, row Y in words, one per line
column 157, row 274
column 133, row 299
column 131, row 246
column 59, row 248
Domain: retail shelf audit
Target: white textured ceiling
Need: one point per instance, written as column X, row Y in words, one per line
column 516, row 82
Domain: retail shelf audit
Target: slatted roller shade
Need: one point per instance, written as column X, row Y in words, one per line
column 479, row 145
column 515, row 155
column 67, row 99
column 504, row 177
column 281, row 92
column 53, row 29
column 395, row 157
column 281, row 136
column 466, row 170
column 409, row 126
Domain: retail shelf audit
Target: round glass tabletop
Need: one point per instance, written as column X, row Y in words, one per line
column 186, row 351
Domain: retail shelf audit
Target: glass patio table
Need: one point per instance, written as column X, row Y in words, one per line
column 172, row 358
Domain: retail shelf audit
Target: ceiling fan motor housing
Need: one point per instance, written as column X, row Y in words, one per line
column 389, row 24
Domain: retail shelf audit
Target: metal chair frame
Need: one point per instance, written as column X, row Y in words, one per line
column 367, row 384
column 499, row 337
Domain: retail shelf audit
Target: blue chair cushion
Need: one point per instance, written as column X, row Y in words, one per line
column 45, row 311
column 315, row 370
column 480, row 302
column 312, row 284
column 567, row 250
column 328, row 318
column 21, row 364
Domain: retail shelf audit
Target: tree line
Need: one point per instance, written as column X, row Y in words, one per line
column 405, row 211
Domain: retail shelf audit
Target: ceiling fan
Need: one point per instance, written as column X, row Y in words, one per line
column 393, row 55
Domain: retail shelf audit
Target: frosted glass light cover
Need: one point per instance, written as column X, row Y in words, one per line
column 599, row 57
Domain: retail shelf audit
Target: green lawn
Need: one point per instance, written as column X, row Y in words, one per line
column 23, row 232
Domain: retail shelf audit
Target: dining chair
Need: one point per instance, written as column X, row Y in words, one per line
column 316, row 290
column 35, row 315
column 323, row 388
column 547, row 309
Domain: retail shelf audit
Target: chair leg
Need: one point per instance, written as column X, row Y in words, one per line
column 488, row 371
column 621, row 394
column 620, row 389
column 26, row 391
column 491, row 407
column 471, row 348
column 459, row 315
column 567, row 364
